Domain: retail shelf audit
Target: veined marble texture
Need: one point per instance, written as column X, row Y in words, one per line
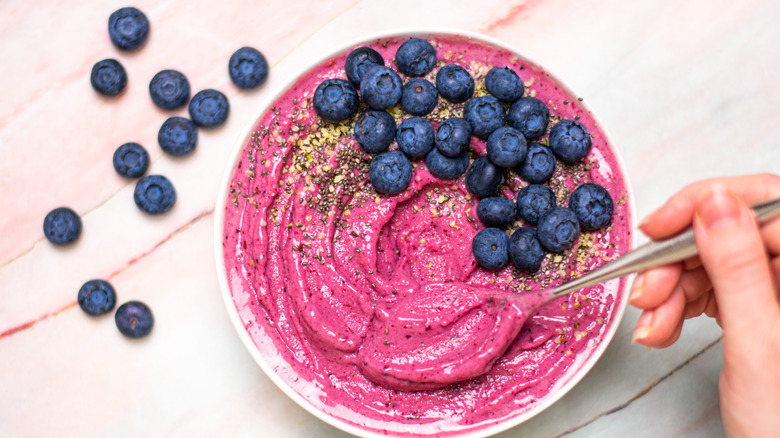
column 686, row 88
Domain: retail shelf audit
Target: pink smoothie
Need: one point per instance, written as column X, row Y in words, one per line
column 372, row 307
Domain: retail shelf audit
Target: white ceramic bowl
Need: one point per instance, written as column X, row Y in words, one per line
column 309, row 401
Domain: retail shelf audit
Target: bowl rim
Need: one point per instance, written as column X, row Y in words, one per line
column 235, row 156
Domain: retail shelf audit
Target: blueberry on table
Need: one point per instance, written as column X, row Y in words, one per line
column 108, row 77
column 359, row 61
column 390, row 172
column 415, row 137
column 593, row 206
column 491, row 248
column 178, row 136
column 415, row 57
column 62, row 226
column 96, row 297
column 530, row 116
column 504, row 84
column 525, row 250
column 131, row 160
column 248, row 68
column 485, row 114
column 496, row 211
column 375, row 130
column 539, row 164
column 128, row 28
column 453, row 137
column 558, row 229
column 381, row 87
column 455, row 83
column 483, row 177
column 419, row 97
column 169, row 89
column 335, row 100
column 506, row 147
column 445, row 167
column 209, row 108
column 134, row 319
column 154, row 194
column 570, row 141
column 533, row 201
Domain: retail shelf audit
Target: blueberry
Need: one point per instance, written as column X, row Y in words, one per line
column 154, row 194
column 381, row 87
column 97, row 297
column 375, row 130
column 530, row 116
column 209, row 108
column 415, row 57
column 483, row 177
column 455, row 83
column 558, row 229
column 131, row 160
column 539, row 164
column 248, row 68
column 445, row 167
column 128, row 28
column 415, row 137
column 485, row 114
column 335, row 100
column 533, row 201
column 496, row 211
column 169, row 89
column 592, row 205
column 491, row 248
column 525, row 250
column 62, row 226
column 178, row 136
column 390, row 172
column 360, row 60
column 108, row 77
column 504, row 84
column 569, row 141
column 453, row 137
column 134, row 319
column 419, row 97
column 506, row 147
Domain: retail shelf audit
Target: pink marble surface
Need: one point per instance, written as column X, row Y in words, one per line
column 687, row 89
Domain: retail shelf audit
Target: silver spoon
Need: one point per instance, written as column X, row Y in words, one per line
column 650, row 255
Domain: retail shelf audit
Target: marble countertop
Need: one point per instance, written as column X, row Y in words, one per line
column 687, row 88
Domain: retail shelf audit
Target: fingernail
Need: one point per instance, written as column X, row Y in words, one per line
column 642, row 330
column 719, row 209
column 636, row 288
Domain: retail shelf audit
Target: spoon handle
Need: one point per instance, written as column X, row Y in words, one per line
column 655, row 253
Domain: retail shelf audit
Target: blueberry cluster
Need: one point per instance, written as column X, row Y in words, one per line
column 128, row 29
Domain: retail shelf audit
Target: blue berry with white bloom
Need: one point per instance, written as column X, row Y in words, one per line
column 530, row 116
column 131, row 160
column 539, row 164
column 533, row 201
column 375, row 130
column 453, row 137
column 381, row 87
column 209, row 108
column 134, row 319
column 506, row 147
column 359, row 61
column 491, row 248
column 419, row 97
column 570, row 141
column 390, row 172
column 335, row 100
column 593, row 206
column 496, row 211
column 446, row 167
column 128, row 28
column 62, row 226
column 108, row 77
column 96, row 297
column 483, row 177
column 154, row 194
column 415, row 137
column 169, row 89
column 504, row 84
column 415, row 57
column 248, row 68
column 455, row 83
column 558, row 229
column 525, row 250
column 485, row 114
column 178, row 136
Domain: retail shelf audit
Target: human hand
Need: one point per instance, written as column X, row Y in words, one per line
column 735, row 279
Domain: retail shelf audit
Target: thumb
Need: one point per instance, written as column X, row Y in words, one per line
column 734, row 256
